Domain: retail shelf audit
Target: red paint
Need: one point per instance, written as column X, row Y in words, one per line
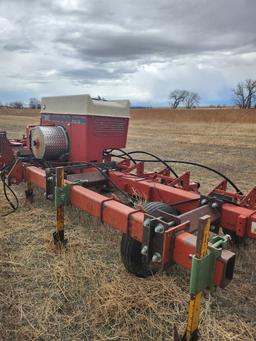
column 125, row 219
column 90, row 135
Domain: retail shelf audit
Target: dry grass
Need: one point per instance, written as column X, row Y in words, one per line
column 14, row 121
column 19, row 112
column 196, row 115
column 84, row 293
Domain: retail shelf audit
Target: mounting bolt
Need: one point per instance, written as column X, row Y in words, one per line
column 159, row 228
column 144, row 250
column 156, row 257
column 215, row 205
column 147, row 223
column 227, row 237
column 203, row 201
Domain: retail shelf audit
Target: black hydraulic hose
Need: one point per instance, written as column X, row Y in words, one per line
column 6, row 167
column 209, row 169
column 186, row 163
column 185, row 202
column 157, row 159
column 214, row 171
column 13, row 206
column 123, row 153
column 108, row 178
column 128, row 196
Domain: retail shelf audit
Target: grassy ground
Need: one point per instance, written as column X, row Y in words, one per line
column 84, row 293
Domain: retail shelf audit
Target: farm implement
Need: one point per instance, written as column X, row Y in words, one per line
column 75, row 156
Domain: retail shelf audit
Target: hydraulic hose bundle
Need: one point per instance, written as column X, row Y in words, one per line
column 165, row 163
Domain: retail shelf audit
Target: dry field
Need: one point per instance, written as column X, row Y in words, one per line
column 84, row 293
column 226, row 115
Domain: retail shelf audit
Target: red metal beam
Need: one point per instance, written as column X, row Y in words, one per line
column 127, row 220
column 233, row 218
column 153, row 191
column 184, row 247
column 109, row 211
column 237, row 219
column 36, row 176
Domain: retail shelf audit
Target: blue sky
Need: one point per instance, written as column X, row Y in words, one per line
column 139, row 50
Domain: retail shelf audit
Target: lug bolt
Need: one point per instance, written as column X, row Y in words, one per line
column 203, row 201
column 228, row 237
column 147, row 223
column 144, row 250
column 156, row 257
column 215, row 205
column 159, row 228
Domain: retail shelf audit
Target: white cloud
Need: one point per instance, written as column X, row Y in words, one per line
column 135, row 49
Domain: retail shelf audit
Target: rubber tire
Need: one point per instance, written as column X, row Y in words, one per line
column 131, row 248
column 132, row 258
column 153, row 207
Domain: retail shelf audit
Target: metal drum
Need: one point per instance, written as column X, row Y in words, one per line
column 49, row 143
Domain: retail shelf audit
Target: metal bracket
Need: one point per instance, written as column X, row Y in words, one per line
column 62, row 195
column 29, row 193
column 203, row 269
column 168, row 243
column 50, row 184
column 152, row 241
column 147, row 240
column 156, row 240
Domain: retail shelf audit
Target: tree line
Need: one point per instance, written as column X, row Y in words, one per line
column 34, row 103
column 244, row 96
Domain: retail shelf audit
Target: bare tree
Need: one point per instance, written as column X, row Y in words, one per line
column 192, row 99
column 244, row 94
column 250, row 86
column 177, row 97
column 239, row 95
column 16, row 104
column 34, row 103
column 187, row 98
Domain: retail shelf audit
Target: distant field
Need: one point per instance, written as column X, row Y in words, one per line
column 18, row 112
column 14, row 121
column 178, row 115
column 85, row 293
column 196, row 115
